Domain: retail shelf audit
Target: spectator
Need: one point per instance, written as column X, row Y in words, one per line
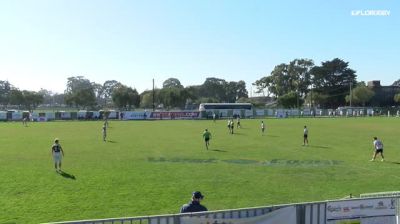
column 194, row 205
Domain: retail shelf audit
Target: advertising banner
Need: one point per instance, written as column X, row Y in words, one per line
column 65, row 115
column 134, row 115
column 175, row 115
column 360, row 208
column 82, row 114
column 260, row 112
column 284, row 215
column 50, row 116
column 3, row 115
column 112, row 115
column 17, row 115
column 248, row 113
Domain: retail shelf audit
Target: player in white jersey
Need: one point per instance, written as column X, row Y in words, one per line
column 262, row 127
column 378, row 148
column 305, row 136
column 58, row 153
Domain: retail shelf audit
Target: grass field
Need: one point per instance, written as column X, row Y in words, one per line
column 151, row 167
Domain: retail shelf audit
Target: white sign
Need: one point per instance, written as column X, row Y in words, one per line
column 3, row 115
column 282, row 216
column 50, row 116
column 65, row 115
column 360, row 208
column 260, row 112
column 133, row 115
column 17, row 115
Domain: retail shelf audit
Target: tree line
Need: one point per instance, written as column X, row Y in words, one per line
column 295, row 84
column 81, row 93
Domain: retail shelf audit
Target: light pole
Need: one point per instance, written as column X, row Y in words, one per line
column 351, row 94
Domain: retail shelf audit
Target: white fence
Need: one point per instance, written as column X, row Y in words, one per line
column 378, row 210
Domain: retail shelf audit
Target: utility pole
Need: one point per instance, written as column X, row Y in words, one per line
column 351, row 94
column 153, row 97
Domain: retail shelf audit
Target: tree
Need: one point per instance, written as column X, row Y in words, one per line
column 287, row 78
column 360, row 95
column 16, row 97
column 5, row 90
column 107, row 90
column 172, row 83
column 80, row 92
column 234, row 91
column 125, row 97
column 31, row 99
column 289, row 100
column 396, row 83
column 333, row 78
column 316, row 98
column 396, row 98
column 214, row 88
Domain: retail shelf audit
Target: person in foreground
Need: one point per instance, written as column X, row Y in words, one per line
column 207, row 137
column 378, row 148
column 194, row 205
column 58, row 153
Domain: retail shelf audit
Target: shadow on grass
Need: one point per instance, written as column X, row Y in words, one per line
column 218, row 150
column 111, row 141
column 238, row 133
column 274, row 136
column 397, row 163
column 66, row 175
column 319, row 146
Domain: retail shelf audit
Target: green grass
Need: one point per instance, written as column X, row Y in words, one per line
column 151, row 167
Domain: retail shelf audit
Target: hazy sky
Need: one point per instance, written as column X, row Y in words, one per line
column 42, row 43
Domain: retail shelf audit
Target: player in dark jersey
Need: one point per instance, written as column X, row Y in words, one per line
column 58, row 153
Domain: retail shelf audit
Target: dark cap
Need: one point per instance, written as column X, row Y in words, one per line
column 197, row 194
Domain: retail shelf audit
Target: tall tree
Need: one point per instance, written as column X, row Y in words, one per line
column 125, row 97
column 5, row 90
column 172, row 83
column 16, row 97
column 396, row 83
column 107, row 90
column 31, row 99
column 214, row 88
column 396, row 98
column 287, row 78
column 360, row 95
column 333, row 78
column 80, row 92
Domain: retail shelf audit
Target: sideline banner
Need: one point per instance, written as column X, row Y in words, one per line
column 133, row 115
column 16, row 116
column 175, row 115
column 284, row 215
column 342, row 210
column 3, row 115
column 65, row 115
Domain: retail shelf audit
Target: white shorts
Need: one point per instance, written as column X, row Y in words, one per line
column 57, row 157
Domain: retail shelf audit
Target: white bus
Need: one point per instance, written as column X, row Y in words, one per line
column 226, row 110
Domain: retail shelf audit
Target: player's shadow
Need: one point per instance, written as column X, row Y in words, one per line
column 218, row 150
column 238, row 133
column 397, row 163
column 274, row 136
column 111, row 141
column 319, row 146
column 66, row 175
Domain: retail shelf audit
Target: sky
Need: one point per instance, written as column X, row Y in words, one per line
column 43, row 42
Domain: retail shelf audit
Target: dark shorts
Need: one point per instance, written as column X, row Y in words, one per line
column 378, row 150
column 207, row 139
column 305, row 136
